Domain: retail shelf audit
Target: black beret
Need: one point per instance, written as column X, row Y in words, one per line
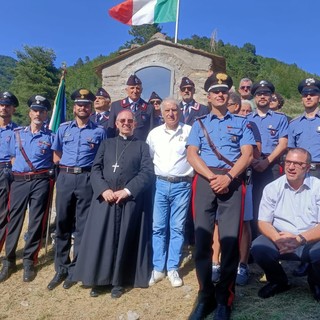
column 39, row 102
column 262, row 86
column 9, row 99
column 217, row 81
column 83, row 95
column 309, row 85
column 133, row 80
column 186, row 82
column 154, row 96
column 103, row 93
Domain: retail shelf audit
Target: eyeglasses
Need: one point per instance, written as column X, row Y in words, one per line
column 130, row 121
column 245, row 87
column 155, row 102
column 296, row 164
column 183, row 89
column 231, row 104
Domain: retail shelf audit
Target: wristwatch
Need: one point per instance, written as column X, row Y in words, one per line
column 303, row 239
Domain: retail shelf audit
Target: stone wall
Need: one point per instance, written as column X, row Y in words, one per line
column 179, row 60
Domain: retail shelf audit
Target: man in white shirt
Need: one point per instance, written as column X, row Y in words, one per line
column 289, row 221
column 172, row 195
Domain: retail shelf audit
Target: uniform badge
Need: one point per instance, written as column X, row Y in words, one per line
column 234, row 138
column 318, row 129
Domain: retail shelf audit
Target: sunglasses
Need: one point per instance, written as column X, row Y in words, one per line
column 245, row 87
column 155, row 102
column 186, row 89
column 304, row 95
column 130, row 121
column 262, row 93
column 217, row 91
column 274, row 99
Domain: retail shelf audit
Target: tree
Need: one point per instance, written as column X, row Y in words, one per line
column 142, row 34
column 35, row 73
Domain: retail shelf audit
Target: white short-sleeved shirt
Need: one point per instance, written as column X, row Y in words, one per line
column 168, row 151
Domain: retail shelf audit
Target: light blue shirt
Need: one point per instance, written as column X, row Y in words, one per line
column 7, row 142
column 305, row 133
column 78, row 145
column 228, row 134
column 290, row 210
column 272, row 127
column 37, row 146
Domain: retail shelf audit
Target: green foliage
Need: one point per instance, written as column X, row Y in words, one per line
column 142, row 34
column 35, row 73
column 7, row 65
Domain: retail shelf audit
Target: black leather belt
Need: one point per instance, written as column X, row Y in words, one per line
column 175, row 179
column 74, row 170
column 28, row 176
column 5, row 165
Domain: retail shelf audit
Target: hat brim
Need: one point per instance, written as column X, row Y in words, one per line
column 83, row 101
column 263, row 90
column 6, row 103
column 38, row 108
column 217, row 87
column 313, row 90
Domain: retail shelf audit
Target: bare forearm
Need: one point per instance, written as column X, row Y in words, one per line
column 268, row 230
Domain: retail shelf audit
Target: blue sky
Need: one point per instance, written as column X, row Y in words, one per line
column 287, row 30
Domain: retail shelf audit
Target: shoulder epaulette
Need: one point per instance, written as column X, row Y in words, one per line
column 65, row 123
column 201, row 117
column 18, row 128
column 296, row 118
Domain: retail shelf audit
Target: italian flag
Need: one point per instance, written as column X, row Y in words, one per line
column 138, row 12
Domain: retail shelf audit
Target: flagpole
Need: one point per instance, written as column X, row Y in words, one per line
column 177, row 22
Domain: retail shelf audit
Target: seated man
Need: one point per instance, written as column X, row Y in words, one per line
column 289, row 217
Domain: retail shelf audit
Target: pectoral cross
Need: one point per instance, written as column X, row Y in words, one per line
column 115, row 166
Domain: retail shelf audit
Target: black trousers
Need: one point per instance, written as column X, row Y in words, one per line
column 267, row 256
column 73, row 199
column 226, row 208
column 5, row 181
column 23, row 193
column 259, row 181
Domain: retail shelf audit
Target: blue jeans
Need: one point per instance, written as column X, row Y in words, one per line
column 170, row 209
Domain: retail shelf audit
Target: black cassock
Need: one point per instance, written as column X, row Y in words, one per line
column 116, row 244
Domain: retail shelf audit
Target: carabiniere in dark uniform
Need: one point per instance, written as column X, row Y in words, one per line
column 30, row 186
column 8, row 103
column 75, row 147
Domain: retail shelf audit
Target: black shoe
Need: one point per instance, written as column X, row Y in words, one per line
column 202, row 310
column 7, row 270
column 270, row 289
column 223, row 312
column 29, row 273
column 94, row 292
column 117, row 292
column 68, row 283
column 57, row 279
column 301, row 270
column 315, row 289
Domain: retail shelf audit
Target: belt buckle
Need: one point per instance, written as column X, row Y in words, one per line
column 27, row 177
column 77, row 170
column 171, row 179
